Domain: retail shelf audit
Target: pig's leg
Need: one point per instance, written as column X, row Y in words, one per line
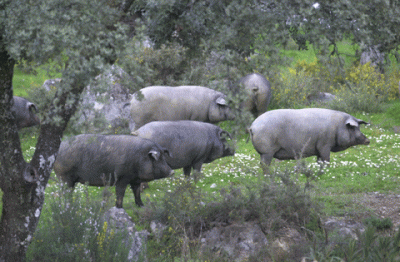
column 186, row 170
column 136, row 192
column 324, row 153
column 120, row 191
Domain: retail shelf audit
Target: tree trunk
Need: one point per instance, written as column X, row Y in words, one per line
column 22, row 183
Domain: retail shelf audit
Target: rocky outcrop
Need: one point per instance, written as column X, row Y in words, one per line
column 119, row 219
column 104, row 106
column 238, row 241
column 321, row 97
column 373, row 55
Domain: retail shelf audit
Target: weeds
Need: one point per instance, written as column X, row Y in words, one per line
column 187, row 211
column 71, row 230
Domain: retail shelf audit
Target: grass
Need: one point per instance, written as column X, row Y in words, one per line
column 360, row 169
column 24, row 81
column 357, row 170
column 346, row 49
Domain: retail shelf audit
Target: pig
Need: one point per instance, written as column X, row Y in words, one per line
column 294, row 133
column 191, row 143
column 259, row 91
column 167, row 103
column 24, row 112
column 100, row 160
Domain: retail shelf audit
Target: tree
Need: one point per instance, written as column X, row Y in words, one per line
column 79, row 38
column 367, row 24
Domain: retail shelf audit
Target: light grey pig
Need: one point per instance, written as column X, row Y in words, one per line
column 167, row 103
column 114, row 159
column 259, row 91
column 294, row 133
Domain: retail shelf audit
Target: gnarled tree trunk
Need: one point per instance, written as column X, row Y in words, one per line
column 23, row 183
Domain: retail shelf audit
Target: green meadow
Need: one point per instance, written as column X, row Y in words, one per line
column 350, row 174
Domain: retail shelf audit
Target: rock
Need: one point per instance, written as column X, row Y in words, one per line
column 321, row 97
column 107, row 100
column 373, row 55
column 286, row 237
column 104, row 106
column 344, row 227
column 238, row 241
column 157, row 229
column 50, row 84
column 396, row 129
column 118, row 218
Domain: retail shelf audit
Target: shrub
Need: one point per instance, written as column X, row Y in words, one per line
column 356, row 99
column 149, row 66
column 187, row 211
column 394, row 112
column 369, row 247
column 379, row 224
column 359, row 88
column 292, row 89
column 383, row 86
column 70, row 230
column 366, row 90
column 325, row 76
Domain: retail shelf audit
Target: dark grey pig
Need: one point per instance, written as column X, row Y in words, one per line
column 295, row 133
column 191, row 143
column 259, row 91
column 100, row 160
column 24, row 112
column 167, row 103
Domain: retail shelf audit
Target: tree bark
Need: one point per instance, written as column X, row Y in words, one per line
column 23, row 184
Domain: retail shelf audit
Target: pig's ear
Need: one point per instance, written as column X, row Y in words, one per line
column 166, row 151
column 223, row 134
column 31, row 106
column 221, row 101
column 352, row 122
column 362, row 122
column 154, row 154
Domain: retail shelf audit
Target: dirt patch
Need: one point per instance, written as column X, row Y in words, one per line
column 382, row 205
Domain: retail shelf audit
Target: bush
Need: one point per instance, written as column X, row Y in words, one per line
column 366, row 90
column 379, row 224
column 394, row 112
column 292, row 89
column 369, row 247
column 70, row 230
column 357, row 99
column 149, row 66
column 187, row 211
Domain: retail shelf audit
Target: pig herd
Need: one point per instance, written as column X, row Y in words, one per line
column 174, row 128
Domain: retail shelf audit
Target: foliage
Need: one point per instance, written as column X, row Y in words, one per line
column 383, row 86
column 378, row 223
column 326, row 75
column 394, row 112
column 223, row 23
column 187, row 211
column 360, row 89
column 375, row 171
column 369, row 246
column 366, row 90
column 292, row 89
column 330, row 22
column 71, row 229
column 150, row 66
